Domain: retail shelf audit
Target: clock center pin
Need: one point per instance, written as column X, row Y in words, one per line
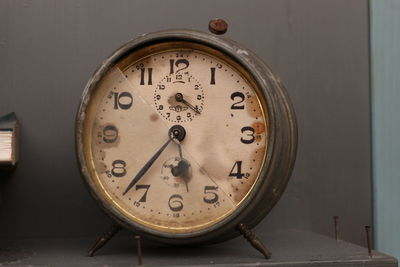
column 177, row 132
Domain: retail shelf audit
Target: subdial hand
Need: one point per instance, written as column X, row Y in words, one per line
column 179, row 98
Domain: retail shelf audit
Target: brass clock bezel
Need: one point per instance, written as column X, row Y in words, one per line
column 279, row 118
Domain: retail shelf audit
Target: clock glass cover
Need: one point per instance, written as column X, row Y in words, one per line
column 195, row 116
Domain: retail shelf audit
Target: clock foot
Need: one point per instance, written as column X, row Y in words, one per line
column 107, row 235
column 253, row 240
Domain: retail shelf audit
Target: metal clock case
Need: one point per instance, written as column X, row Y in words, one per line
column 173, row 50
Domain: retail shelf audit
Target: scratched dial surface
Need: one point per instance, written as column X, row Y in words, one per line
column 129, row 118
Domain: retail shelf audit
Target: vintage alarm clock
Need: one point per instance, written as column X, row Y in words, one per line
column 185, row 137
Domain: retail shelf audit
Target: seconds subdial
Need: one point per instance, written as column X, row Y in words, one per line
column 179, row 97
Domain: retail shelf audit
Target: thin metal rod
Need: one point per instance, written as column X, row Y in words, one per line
column 368, row 232
column 139, row 249
column 336, row 222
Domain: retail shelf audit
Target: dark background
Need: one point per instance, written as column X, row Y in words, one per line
column 49, row 49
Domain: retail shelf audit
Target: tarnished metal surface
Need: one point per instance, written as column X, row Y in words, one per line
column 281, row 150
column 254, row 240
column 218, row 26
column 107, row 235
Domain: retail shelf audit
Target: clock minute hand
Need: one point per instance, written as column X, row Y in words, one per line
column 145, row 168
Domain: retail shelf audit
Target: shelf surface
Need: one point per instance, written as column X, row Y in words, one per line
column 289, row 248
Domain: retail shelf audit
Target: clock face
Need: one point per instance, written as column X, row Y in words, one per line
column 175, row 136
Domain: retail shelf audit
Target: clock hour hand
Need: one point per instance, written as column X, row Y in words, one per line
column 145, row 168
column 183, row 167
column 179, row 98
column 184, row 170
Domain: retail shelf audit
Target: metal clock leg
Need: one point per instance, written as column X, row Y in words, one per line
column 107, row 235
column 253, row 240
column 139, row 249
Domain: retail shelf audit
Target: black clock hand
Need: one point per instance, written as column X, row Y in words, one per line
column 180, row 150
column 183, row 168
column 179, row 98
column 147, row 166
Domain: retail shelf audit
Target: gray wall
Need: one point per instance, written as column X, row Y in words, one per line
column 49, row 49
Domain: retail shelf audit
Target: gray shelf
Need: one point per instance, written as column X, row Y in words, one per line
column 289, row 248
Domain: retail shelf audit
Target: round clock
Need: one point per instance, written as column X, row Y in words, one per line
column 182, row 135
